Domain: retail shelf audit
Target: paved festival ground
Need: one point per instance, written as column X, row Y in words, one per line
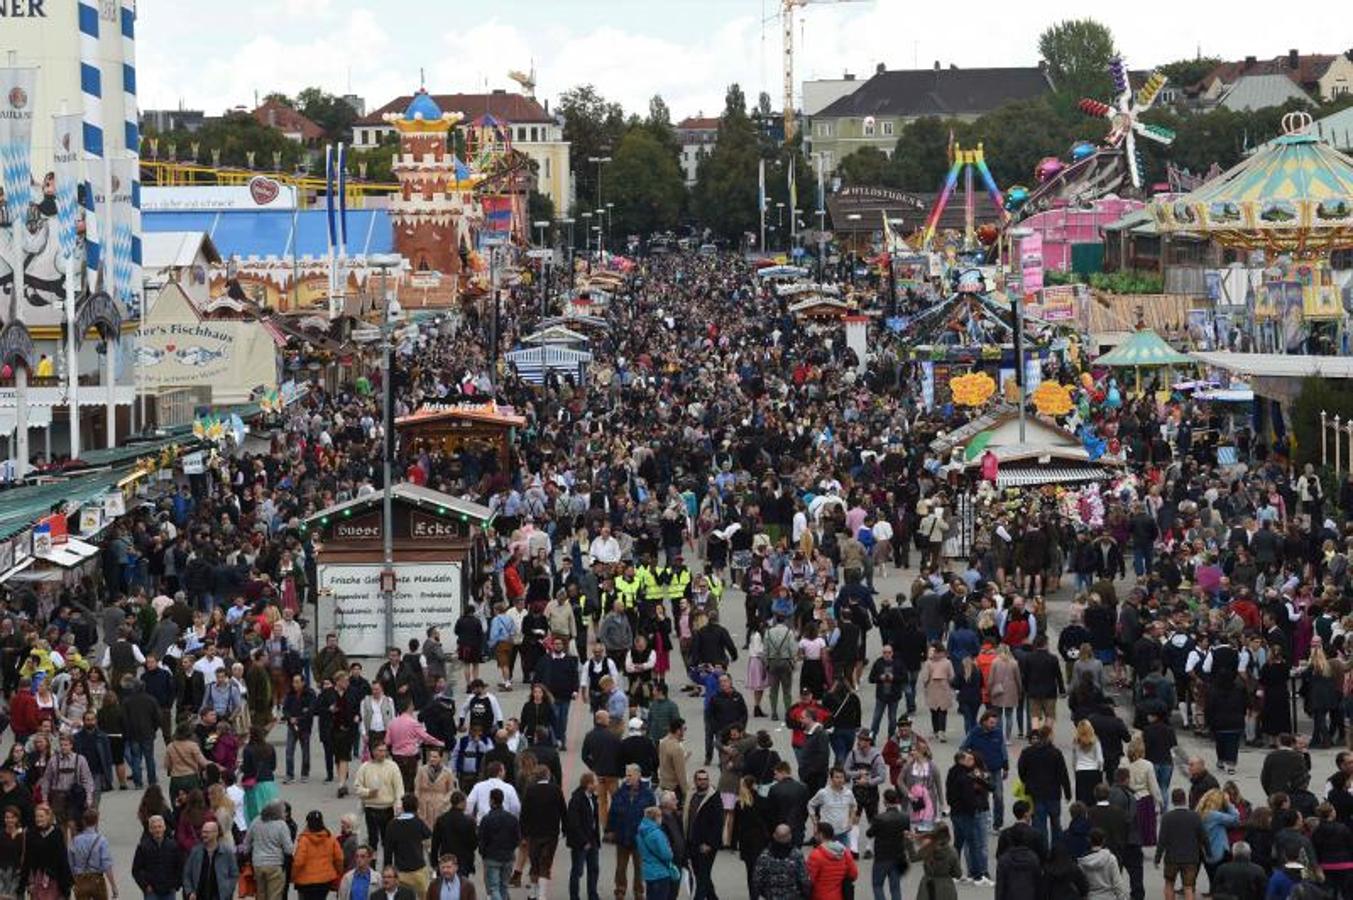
column 119, row 808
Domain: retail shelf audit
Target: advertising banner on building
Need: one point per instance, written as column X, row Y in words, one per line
column 1031, row 263
column 350, row 606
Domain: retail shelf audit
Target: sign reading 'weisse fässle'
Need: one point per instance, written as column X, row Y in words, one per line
column 352, row 608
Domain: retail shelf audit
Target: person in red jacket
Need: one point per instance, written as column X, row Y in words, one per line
column 23, row 711
column 794, row 719
column 830, row 865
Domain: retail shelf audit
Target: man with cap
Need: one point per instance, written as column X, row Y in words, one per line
column 638, row 749
column 868, row 772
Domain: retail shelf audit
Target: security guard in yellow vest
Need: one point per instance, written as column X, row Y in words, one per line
column 649, row 587
column 679, row 582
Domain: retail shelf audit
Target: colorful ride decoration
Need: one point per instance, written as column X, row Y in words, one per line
column 973, row 389
column 1053, row 399
column 1124, row 115
column 965, row 162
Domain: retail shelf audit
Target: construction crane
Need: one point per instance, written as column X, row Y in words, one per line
column 787, row 24
column 527, row 80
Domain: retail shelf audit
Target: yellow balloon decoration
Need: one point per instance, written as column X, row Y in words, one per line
column 1052, row 399
column 972, row 389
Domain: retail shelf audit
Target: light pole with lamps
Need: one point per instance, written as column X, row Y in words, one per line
column 541, row 225
column 780, row 215
column 385, row 262
column 599, row 161
column 569, row 222
column 610, row 214
column 587, row 237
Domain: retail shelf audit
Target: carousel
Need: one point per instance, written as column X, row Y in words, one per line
column 1291, row 202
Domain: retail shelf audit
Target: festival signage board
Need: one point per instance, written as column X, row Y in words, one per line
column 351, row 606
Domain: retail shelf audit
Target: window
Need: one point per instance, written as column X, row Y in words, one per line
column 535, row 133
column 827, row 158
column 547, row 167
column 868, row 127
column 822, row 129
column 887, row 129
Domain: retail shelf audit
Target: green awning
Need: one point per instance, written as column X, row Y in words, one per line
column 1144, row 348
column 976, row 446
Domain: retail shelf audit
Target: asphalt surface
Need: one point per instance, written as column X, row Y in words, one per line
column 119, row 822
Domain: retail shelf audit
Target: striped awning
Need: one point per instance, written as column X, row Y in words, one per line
column 1048, row 475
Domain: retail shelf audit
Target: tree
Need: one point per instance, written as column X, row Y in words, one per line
column 540, row 208
column 1077, row 54
column 921, row 157
column 725, row 198
column 763, row 105
column 659, row 124
column 1017, row 135
column 645, row 183
column 235, row 135
column 866, row 166
column 1185, row 73
column 594, row 127
column 379, row 160
column 279, row 97
column 334, row 114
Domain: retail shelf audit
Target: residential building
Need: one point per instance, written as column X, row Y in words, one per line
column 819, row 93
column 358, row 104
column 276, row 114
column 697, row 136
column 167, row 120
column 874, row 114
column 1251, row 92
column 1323, row 76
column 532, row 129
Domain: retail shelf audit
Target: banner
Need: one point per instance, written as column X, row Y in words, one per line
column 761, row 186
column 343, row 198
column 17, row 89
column 65, row 186
column 329, row 184
column 1031, row 263
column 1059, row 303
column 122, row 283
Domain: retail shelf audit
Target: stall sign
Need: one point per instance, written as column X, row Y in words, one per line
column 351, row 607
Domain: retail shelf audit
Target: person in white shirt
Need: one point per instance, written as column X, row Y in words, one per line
column 477, row 804
column 208, row 664
column 291, row 630
column 605, row 548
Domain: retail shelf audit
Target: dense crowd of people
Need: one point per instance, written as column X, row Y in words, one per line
column 720, row 452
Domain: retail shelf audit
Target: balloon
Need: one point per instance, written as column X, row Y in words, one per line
column 1048, row 167
column 987, row 234
column 1016, row 197
column 7, row 371
column 1082, row 150
column 1087, row 380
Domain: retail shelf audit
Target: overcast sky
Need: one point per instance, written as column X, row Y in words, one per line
column 211, row 55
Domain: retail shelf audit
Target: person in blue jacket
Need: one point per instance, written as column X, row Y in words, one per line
column 661, row 875
column 988, row 742
column 622, row 825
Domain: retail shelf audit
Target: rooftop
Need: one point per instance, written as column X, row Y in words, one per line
column 516, row 109
column 276, row 114
column 940, row 92
column 1303, row 70
column 698, row 123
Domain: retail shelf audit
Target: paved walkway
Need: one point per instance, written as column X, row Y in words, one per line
column 119, row 808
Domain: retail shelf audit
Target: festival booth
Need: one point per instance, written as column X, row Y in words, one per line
column 227, row 361
column 439, row 552
column 478, row 428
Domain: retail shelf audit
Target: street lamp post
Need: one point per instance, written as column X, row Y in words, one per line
column 541, row 225
column 386, row 262
column 610, row 215
column 1017, row 301
column 780, row 216
column 569, row 222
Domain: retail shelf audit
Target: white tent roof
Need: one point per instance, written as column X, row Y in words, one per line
column 165, row 249
column 1274, row 365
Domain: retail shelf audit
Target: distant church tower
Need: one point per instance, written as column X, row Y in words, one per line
column 434, row 188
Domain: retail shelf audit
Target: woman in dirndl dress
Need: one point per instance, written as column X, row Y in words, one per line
column 757, row 677
column 659, row 632
column 813, row 674
column 1145, row 788
column 258, row 770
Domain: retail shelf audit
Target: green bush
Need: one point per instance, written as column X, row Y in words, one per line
column 1129, row 282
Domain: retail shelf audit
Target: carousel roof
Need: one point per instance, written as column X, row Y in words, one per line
column 423, row 107
column 1145, row 348
column 1293, row 194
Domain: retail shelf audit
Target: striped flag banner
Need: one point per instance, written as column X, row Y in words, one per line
column 66, row 174
column 120, row 214
column 17, row 86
